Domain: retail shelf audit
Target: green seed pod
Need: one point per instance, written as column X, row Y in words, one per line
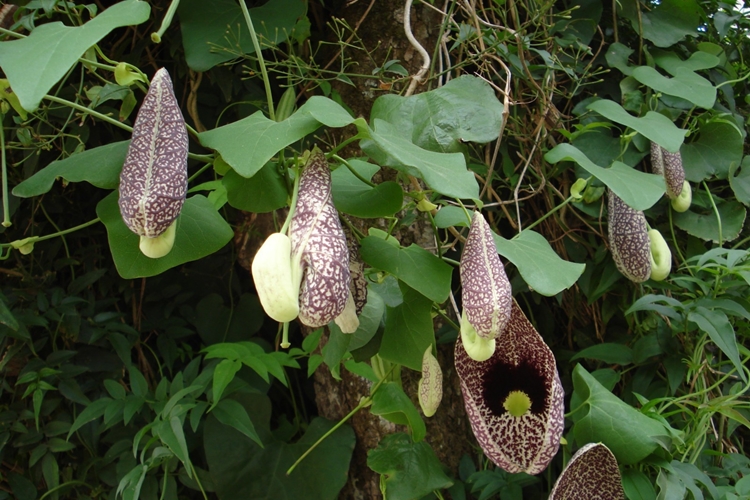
column 591, row 473
column 153, row 182
column 514, row 399
column 661, row 256
column 319, row 248
column 486, row 292
column 628, row 239
column 431, row 384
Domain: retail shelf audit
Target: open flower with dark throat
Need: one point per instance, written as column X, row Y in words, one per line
column 153, row 182
column 591, row 473
column 514, row 399
column 307, row 273
column 486, row 293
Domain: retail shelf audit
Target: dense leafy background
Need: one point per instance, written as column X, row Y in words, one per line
column 123, row 375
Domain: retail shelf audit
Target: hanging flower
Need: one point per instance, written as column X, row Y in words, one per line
column 628, row 239
column 307, row 274
column 153, row 182
column 514, row 399
column 670, row 166
column 486, row 292
column 591, row 473
column 639, row 253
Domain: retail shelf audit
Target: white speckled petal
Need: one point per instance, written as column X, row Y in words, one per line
column 628, row 239
column 670, row 166
column 591, row 473
column 153, row 182
column 319, row 244
column 522, row 362
column 486, row 293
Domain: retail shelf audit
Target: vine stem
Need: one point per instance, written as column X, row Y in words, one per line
column 716, row 212
column 261, row 62
column 156, row 37
column 414, row 43
column 6, row 204
column 363, row 403
column 34, row 239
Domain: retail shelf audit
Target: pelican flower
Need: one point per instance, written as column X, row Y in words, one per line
column 486, row 292
column 514, row 399
column 591, row 473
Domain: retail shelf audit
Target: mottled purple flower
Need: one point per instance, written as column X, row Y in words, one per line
column 153, row 182
column 670, row 166
column 591, row 473
column 319, row 246
column 486, row 292
column 628, row 239
column 514, row 399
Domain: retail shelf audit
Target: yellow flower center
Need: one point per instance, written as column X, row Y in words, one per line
column 517, row 403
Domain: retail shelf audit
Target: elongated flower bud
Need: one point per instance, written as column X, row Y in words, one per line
column 591, row 473
column 486, row 292
column 431, row 384
column 670, row 166
column 514, row 400
column 628, row 240
column 319, row 245
column 153, row 182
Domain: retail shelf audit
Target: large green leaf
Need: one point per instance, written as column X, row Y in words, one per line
column 685, row 84
column 669, row 22
column 446, row 173
column 717, row 148
column 241, row 469
column 414, row 265
column 36, row 63
column 248, row 144
column 741, row 182
column 215, row 32
column 463, row 110
column 200, row 231
column 99, row 166
column 717, row 326
column 672, row 63
column 637, row 189
column 408, row 330
column 263, row 192
column 542, row 269
column 411, row 469
column 391, row 402
column 354, row 197
column 628, row 433
column 705, row 226
column 652, row 125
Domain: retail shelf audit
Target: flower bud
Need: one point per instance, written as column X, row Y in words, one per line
column 431, row 384
column 153, row 181
column 628, row 239
column 682, row 202
column 486, row 293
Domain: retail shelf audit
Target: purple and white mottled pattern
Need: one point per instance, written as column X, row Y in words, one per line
column 521, row 362
column 592, row 474
column 486, row 293
column 628, row 239
column 358, row 284
column 670, row 166
column 319, row 242
column 153, row 181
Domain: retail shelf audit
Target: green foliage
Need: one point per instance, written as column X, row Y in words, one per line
column 125, row 376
